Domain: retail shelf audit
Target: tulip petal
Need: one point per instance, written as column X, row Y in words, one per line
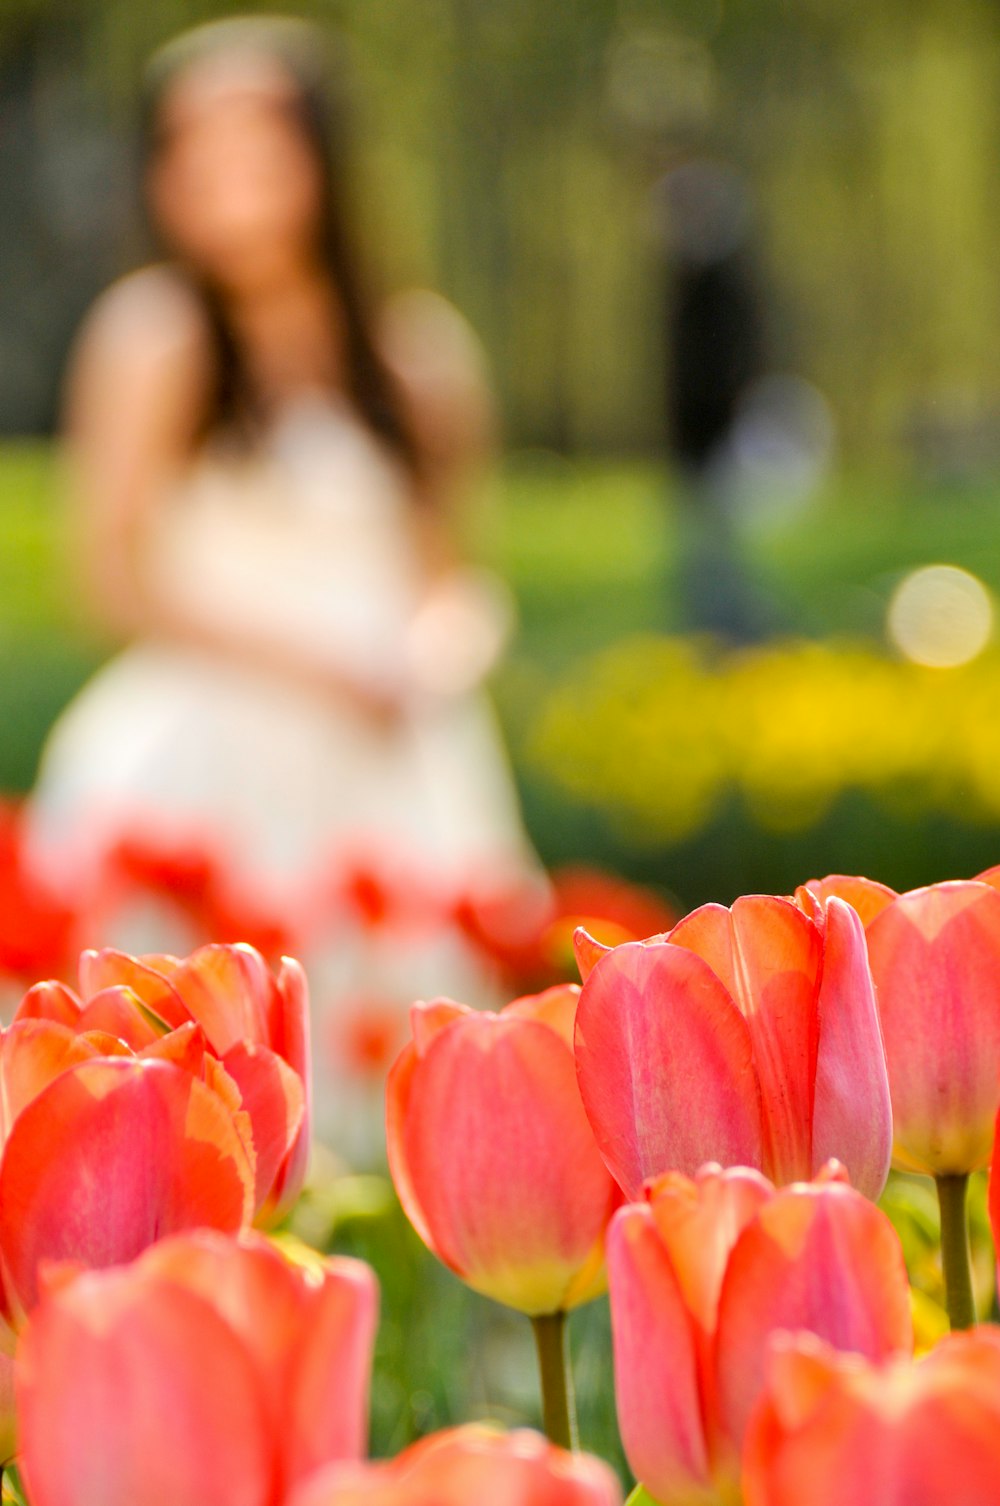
column 521, row 1224
column 656, row 1363
column 768, row 954
column 111, row 1156
column 290, row 1037
column 131, row 1394
column 311, row 1335
column 227, row 989
column 699, row 1220
column 831, row 1429
column 821, row 1258
column 109, row 969
column 33, row 1052
column 867, row 896
column 935, row 958
column 326, row 1404
column 49, row 1001
column 273, row 1096
column 665, row 1065
column 466, row 1465
column 852, row 1115
column 118, row 1012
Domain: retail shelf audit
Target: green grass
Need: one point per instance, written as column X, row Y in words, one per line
column 591, row 550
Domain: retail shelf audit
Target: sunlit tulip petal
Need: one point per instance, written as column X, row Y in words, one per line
column 852, row 1116
column 665, row 1065
column 118, row 1011
column 935, row 958
column 821, row 1258
column 868, row 897
column 227, row 990
column 832, row 1429
column 133, row 1393
column 272, row 1094
column 493, row 1158
column 291, row 1039
column 311, row 1335
column 110, row 969
column 700, row 1279
column 469, row 1466
column 33, row 1052
column 699, row 1220
column 49, row 1001
column 769, row 956
column 656, row 1365
column 110, row 1157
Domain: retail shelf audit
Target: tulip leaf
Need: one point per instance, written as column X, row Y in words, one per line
column 640, row 1497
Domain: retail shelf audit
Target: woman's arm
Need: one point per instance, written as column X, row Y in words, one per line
column 138, row 390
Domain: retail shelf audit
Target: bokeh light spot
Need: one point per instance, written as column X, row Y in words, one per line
column 940, row 616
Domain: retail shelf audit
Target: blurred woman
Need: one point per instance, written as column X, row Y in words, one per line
column 265, row 464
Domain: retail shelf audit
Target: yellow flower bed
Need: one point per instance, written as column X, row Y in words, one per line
column 659, row 731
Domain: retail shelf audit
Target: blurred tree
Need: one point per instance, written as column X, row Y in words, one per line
column 508, row 149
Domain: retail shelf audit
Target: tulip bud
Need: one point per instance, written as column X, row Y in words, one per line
column 491, row 1152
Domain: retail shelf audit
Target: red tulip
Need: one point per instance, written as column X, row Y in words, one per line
column 747, row 1036
column 469, row 1466
column 256, row 1025
column 935, row 958
column 833, row 1429
column 701, row 1275
column 209, row 1370
column 491, row 1152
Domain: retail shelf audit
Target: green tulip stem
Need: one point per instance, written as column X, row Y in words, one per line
column 955, row 1259
column 558, row 1403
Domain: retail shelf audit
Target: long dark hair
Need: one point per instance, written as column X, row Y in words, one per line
column 319, row 109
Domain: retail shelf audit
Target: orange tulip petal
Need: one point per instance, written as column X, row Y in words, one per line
column 935, row 958
column 326, row 1403
column 49, row 1001
column 466, row 1465
column 768, row 954
column 33, row 1052
column 821, row 1258
column 118, row 1012
column 132, row 1393
column 852, row 1115
column 290, row 1038
column 867, row 896
column 109, row 969
column 831, row 1429
column 494, row 1160
column 656, row 1363
column 227, row 989
column 111, row 1156
column 274, row 1098
column 665, row 1065
column 699, row 1220
column 311, row 1336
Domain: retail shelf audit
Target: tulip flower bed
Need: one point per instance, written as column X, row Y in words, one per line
column 704, row 1128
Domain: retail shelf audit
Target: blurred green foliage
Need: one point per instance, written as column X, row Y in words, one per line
column 591, row 551
column 507, row 154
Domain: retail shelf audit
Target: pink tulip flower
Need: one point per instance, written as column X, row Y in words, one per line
column 491, row 1153
column 935, row 959
column 701, row 1274
column 834, row 1430
column 209, row 1370
column 747, row 1036
column 469, row 1466
column 256, row 1025
column 161, row 1098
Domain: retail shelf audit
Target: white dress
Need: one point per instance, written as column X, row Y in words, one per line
column 308, row 543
